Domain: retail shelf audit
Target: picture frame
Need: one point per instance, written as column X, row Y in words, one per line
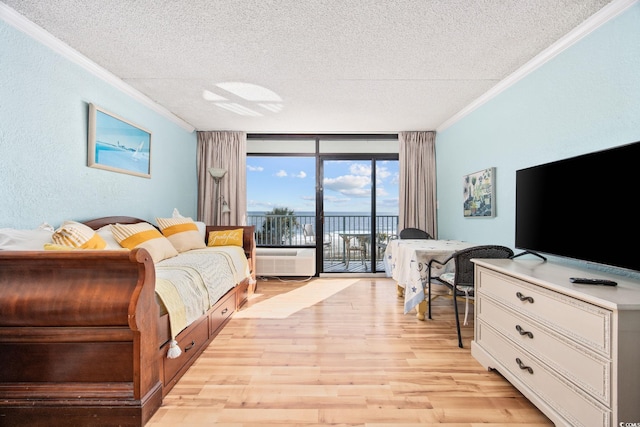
column 479, row 194
column 118, row 145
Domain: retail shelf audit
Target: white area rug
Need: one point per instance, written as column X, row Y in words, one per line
column 284, row 305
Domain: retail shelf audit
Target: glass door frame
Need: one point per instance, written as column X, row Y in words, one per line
column 373, row 158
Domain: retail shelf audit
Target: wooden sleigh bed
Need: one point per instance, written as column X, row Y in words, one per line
column 83, row 339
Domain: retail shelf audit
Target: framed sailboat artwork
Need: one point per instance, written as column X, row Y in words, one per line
column 117, row 145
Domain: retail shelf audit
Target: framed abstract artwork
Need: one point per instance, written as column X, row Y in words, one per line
column 479, row 192
column 118, row 145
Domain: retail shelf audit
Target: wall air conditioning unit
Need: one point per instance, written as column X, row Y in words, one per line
column 285, row 262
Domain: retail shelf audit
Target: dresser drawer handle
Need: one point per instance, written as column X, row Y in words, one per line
column 523, row 366
column 224, row 311
column 523, row 298
column 523, row 332
column 190, row 346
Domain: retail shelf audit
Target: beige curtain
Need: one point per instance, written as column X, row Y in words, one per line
column 418, row 181
column 226, row 150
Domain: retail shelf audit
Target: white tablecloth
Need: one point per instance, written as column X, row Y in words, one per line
column 407, row 260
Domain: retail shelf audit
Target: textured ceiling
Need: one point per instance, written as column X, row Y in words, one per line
column 340, row 66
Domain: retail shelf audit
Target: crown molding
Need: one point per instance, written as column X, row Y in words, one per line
column 39, row 34
column 600, row 18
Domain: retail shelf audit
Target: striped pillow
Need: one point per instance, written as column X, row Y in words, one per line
column 79, row 236
column 182, row 233
column 146, row 236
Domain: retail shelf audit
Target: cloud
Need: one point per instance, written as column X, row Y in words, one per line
column 382, row 172
column 259, row 205
column 350, row 185
column 283, row 173
column 254, row 168
column 360, row 169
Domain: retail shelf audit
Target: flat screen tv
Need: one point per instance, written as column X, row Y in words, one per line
column 584, row 207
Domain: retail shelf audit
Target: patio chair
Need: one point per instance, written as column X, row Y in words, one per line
column 309, row 234
column 327, row 245
column 357, row 246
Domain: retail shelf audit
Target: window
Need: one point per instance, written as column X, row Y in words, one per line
column 305, row 191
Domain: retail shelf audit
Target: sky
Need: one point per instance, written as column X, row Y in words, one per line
column 290, row 182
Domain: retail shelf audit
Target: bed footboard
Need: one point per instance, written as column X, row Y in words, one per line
column 78, row 340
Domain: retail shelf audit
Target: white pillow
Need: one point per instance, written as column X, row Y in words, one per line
column 12, row 239
column 107, row 236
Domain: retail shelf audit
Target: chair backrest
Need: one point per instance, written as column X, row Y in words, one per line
column 308, row 230
column 414, row 233
column 464, row 272
column 308, row 233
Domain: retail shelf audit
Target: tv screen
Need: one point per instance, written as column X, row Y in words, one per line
column 583, row 207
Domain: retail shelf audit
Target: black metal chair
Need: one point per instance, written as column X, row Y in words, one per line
column 461, row 280
column 414, row 233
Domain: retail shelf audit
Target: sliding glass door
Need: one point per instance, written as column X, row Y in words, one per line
column 358, row 212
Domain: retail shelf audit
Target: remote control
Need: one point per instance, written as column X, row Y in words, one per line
column 585, row 281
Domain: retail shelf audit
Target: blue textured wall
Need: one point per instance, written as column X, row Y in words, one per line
column 585, row 99
column 43, row 144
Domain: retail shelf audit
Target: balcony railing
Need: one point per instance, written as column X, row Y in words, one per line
column 346, row 238
column 289, row 230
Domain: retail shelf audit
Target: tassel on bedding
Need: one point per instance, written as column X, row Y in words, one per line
column 174, row 350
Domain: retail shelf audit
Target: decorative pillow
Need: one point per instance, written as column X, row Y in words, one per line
column 54, row 247
column 202, row 227
column 76, row 235
column 182, row 233
column 12, row 239
column 144, row 235
column 225, row 238
column 107, row 236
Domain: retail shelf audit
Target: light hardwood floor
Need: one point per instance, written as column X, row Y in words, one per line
column 352, row 359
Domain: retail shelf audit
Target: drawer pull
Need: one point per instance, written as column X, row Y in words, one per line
column 523, row 298
column 523, row 332
column 523, row 366
column 224, row 311
column 190, row 346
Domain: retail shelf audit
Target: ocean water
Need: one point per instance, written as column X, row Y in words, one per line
column 117, row 157
column 335, row 222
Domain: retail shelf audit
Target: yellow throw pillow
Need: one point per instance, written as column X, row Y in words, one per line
column 146, row 236
column 182, row 233
column 78, row 236
column 54, row 247
column 225, row 238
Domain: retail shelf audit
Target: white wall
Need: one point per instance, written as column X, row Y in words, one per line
column 586, row 99
column 43, row 144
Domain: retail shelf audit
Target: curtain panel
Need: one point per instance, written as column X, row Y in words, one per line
column 225, row 150
column 417, row 181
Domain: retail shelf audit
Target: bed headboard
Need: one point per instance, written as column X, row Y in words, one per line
column 101, row 222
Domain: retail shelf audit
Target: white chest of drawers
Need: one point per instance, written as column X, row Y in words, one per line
column 573, row 350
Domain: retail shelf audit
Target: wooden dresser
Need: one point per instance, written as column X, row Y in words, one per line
column 573, row 350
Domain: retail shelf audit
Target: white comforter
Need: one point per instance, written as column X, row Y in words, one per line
column 192, row 282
